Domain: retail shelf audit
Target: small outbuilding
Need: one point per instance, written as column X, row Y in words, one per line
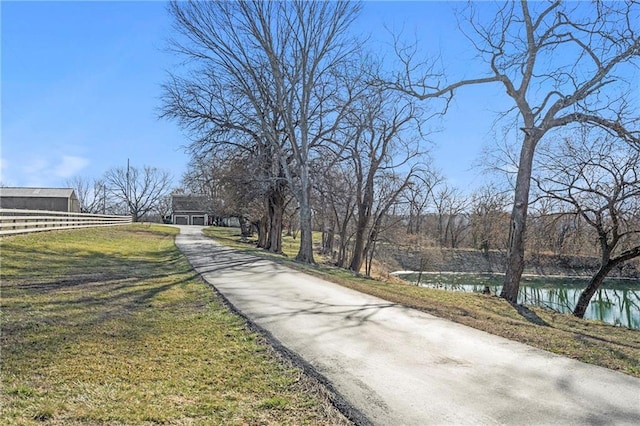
column 50, row 199
column 189, row 210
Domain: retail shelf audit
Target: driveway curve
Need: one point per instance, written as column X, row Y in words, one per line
column 399, row 366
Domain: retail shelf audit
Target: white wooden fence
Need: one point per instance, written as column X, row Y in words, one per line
column 14, row 221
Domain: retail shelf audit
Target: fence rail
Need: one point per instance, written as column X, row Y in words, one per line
column 15, row 221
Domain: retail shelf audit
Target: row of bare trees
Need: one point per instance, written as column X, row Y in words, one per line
column 281, row 91
column 294, row 118
column 586, row 195
column 143, row 193
column 267, row 78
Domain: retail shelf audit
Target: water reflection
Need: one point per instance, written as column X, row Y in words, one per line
column 617, row 302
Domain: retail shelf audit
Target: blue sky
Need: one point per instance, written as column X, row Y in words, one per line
column 81, row 88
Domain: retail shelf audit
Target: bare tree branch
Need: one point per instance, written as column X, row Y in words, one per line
column 140, row 190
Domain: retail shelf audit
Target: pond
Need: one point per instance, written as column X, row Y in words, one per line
column 617, row 302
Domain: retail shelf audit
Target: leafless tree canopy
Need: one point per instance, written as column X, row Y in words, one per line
column 291, row 124
column 263, row 77
column 561, row 63
column 598, row 178
column 92, row 194
column 138, row 190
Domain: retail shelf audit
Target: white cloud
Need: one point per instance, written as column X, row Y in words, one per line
column 70, row 166
column 35, row 166
column 50, row 171
column 3, row 172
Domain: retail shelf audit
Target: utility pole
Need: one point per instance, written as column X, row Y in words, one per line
column 128, row 200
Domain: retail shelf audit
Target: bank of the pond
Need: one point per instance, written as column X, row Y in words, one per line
column 617, row 302
column 494, row 261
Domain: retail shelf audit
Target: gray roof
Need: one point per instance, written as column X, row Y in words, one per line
column 188, row 203
column 36, row 192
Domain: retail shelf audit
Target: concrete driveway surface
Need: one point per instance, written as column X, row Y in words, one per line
column 399, row 366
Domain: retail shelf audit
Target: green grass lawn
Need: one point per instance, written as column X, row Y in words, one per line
column 112, row 326
column 593, row 342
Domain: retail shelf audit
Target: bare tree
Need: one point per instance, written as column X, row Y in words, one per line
column 230, row 186
column 203, row 177
column 163, row 208
column 334, row 194
column 389, row 187
column 379, row 146
column 225, row 127
column 138, row 190
column 558, row 62
column 599, row 179
column 451, row 211
column 488, row 218
column 267, row 73
column 92, row 194
column 336, row 191
column 554, row 227
column 418, row 196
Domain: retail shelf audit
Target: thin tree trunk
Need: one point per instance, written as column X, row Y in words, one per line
column 517, row 226
column 364, row 218
column 590, row 290
column 369, row 251
column 342, row 255
column 358, row 248
column 328, row 239
column 422, row 262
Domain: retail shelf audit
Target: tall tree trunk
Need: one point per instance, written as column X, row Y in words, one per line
column 369, row 250
column 441, row 233
column 364, row 218
column 305, row 254
column 245, row 227
column 276, row 212
column 447, row 231
column 410, row 223
column 342, row 255
column 517, row 225
column 328, row 238
column 358, row 247
column 262, row 225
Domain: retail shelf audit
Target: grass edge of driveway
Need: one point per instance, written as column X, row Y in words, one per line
column 592, row 342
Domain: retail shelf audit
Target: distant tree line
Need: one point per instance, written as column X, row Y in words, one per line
column 143, row 193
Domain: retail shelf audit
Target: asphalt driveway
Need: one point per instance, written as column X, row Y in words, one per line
column 398, row 366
